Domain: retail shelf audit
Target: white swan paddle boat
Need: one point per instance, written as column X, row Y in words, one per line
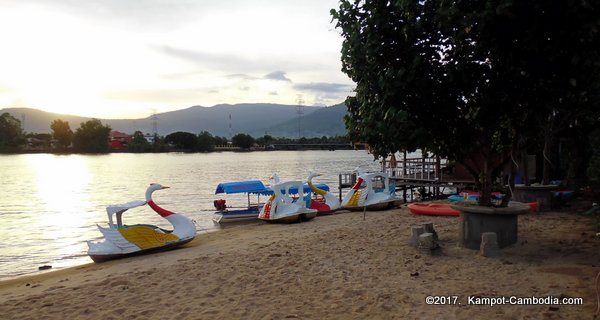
column 328, row 202
column 284, row 207
column 122, row 240
column 372, row 191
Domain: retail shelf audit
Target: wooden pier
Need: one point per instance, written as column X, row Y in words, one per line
column 431, row 177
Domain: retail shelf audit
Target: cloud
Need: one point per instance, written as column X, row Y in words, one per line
column 273, row 93
column 195, row 56
column 240, row 76
column 5, row 88
column 173, row 96
column 277, row 75
column 224, row 62
column 238, row 64
column 324, row 87
column 146, row 14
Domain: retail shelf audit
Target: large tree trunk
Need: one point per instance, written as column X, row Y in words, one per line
column 548, row 155
column 525, row 166
column 486, row 184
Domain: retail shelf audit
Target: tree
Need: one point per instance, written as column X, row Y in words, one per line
column 158, row 144
column 593, row 169
column 220, row 141
column 206, row 142
column 11, row 134
column 182, row 140
column 92, row 137
column 469, row 81
column 265, row 140
column 242, row 140
column 62, row 133
column 139, row 143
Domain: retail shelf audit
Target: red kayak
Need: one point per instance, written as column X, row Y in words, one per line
column 433, row 209
column 533, row 206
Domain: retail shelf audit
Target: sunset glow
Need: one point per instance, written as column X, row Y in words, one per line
column 122, row 59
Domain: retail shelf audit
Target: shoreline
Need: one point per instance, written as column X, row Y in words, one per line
column 337, row 266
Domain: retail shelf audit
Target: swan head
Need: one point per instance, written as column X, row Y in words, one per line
column 156, row 186
column 312, row 175
column 274, row 179
column 153, row 187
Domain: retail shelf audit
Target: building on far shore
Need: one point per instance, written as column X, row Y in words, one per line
column 119, row 140
column 149, row 137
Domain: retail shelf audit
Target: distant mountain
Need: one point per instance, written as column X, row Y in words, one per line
column 38, row 121
column 255, row 119
column 328, row 121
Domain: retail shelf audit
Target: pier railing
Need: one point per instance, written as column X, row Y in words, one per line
column 418, row 169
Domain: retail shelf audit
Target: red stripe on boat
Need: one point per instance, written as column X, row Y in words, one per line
column 358, row 183
column 163, row 212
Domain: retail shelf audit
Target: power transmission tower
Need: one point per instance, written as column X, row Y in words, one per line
column 300, row 112
column 230, row 130
column 154, row 123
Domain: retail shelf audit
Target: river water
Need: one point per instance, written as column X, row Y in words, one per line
column 50, row 204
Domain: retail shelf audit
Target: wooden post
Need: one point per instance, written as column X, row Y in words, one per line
column 422, row 164
column 438, row 175
column 404, row 175
column 340, row 186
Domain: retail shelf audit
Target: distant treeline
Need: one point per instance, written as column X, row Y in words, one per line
column 94, row 137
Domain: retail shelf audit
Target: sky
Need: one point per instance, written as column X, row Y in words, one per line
column 131, row 58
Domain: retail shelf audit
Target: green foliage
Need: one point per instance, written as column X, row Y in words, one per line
column 92, row 137
column 206, row 142
column 265, row 140
column 242, row 140
column 159, row 144
column 11, row 134
column 139, row 143
column 469, row 81
column 62, row 133
column 184, row 141
column 220, row 141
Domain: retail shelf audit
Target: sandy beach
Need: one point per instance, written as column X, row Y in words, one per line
column 333, row 267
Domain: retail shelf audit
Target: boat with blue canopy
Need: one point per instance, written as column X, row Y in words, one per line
column 230, row 213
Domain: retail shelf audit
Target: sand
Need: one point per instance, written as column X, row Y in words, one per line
column 333, row 267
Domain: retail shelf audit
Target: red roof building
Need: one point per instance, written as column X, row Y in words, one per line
column 119, row 140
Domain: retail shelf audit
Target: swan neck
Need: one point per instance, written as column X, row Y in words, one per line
column 316, row 190
column 161, row 211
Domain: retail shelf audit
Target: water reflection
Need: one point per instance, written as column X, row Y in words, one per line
column 51, row 204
